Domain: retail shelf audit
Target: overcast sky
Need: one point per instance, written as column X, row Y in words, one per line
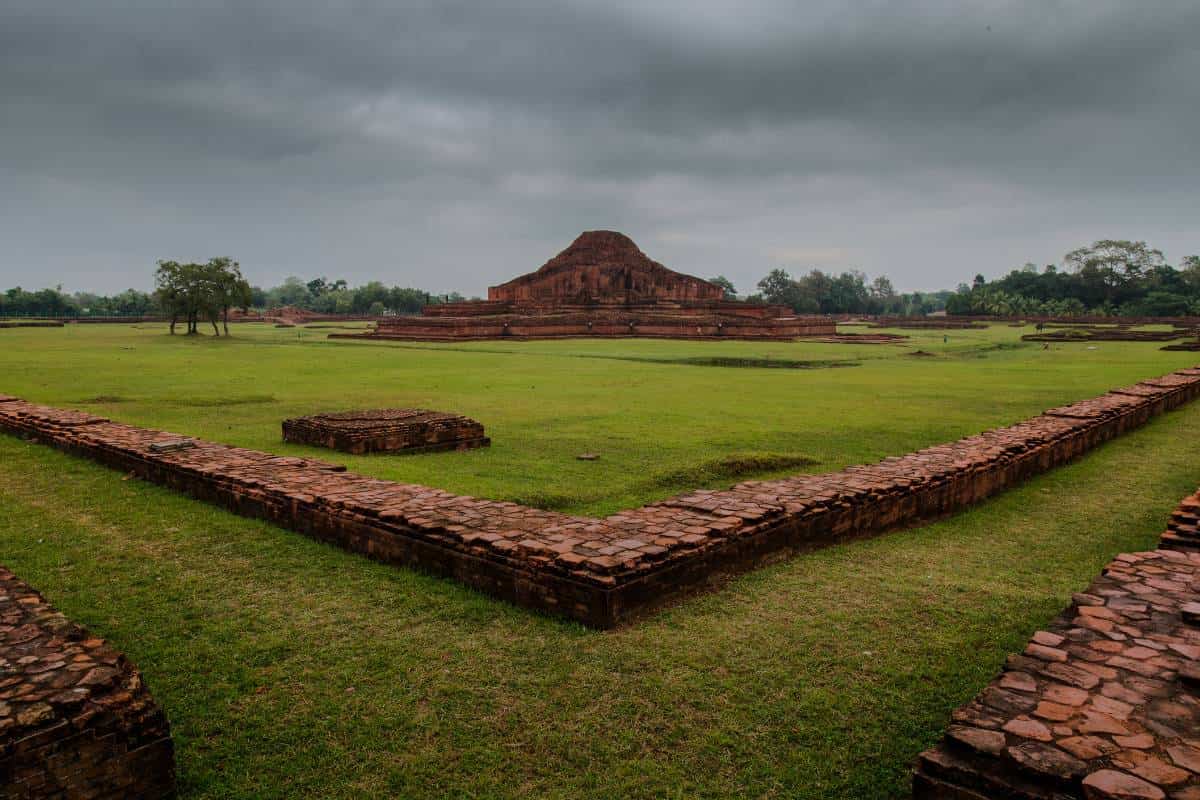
column 453, row 145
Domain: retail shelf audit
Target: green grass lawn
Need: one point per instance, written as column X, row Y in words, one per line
column 662, row 422
column 292, row 669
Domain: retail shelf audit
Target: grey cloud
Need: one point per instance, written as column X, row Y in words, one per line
column 450, row 145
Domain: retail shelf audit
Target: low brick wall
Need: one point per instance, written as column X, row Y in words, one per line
column 596, row 324
column 387, row 430
column 1183, row 529
column 1104, row 703
column 76, row 721
column 605, row 571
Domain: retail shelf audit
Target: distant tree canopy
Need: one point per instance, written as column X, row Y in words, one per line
column 194, row 291
column 819, row 292
column 1108, row 277
column 54, row 303
column 337, row 297
column 727, row 285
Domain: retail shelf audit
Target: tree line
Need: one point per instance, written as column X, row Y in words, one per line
column 1108, row 277
column 337, row 297
column 320, row 295
column 849, row 292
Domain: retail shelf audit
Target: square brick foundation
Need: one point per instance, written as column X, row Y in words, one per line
column 387, row 430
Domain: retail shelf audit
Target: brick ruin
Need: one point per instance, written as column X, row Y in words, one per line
column 602, row 285
column 1103, row 704
column 76, row 720
column 603, row 572
column 387, row 430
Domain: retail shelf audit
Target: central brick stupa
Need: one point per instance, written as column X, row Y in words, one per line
column 603, row 285
column 603, row 268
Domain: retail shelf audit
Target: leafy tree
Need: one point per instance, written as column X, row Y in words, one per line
column 778, row 287
column 727, row 285
column 228, row 287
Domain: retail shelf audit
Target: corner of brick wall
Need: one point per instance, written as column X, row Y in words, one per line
column 76, row 720
column 1102, row 704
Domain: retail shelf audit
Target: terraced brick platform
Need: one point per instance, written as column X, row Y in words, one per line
column 1183, row 529
column 387, row 430
column 1104, row 703
column 604, row 571
column 76, row 720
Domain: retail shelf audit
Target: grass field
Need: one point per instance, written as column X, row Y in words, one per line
column 291, row 669
column 662, row 422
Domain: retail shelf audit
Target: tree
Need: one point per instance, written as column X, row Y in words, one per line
column 170, row 291
column 229, row 289
column 727, row 285
column 1125, row 259
column 292, row 292
column 882, row 288
column 778, row 287
column 189, row 291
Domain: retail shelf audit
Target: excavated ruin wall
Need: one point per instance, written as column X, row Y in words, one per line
column 76, row 720
column 606, row 571
column 1103, row 704
column 598, row 325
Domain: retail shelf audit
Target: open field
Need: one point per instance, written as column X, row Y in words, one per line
column 661, row 420
column 289, row 668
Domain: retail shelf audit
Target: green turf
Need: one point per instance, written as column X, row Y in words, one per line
column 662, row 419
column 292, row 669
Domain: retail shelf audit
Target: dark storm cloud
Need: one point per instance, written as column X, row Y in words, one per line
column 451, row 145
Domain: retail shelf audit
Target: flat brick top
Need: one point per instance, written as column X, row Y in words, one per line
column 51, row 671
column 1103, row 702
column 603, row 552
column 381, row 419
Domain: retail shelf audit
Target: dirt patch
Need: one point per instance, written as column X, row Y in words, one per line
column 731, row 467
column 741, row 363
column 235, row 400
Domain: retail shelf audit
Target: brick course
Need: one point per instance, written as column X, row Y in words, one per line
column 387, row 430
column 1103, row 703
column 76, row 720
column 604, row 571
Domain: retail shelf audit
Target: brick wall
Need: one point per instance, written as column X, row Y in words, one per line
column 76, row 720
column 1102, row 704
column 605, row 571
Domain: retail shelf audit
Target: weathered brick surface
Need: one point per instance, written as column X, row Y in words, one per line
column 605, row 267
column 602, row 285
column 387, row 430
column 605, row 571
column 1104, row 703
column 1183, row 529
column 76, row 721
